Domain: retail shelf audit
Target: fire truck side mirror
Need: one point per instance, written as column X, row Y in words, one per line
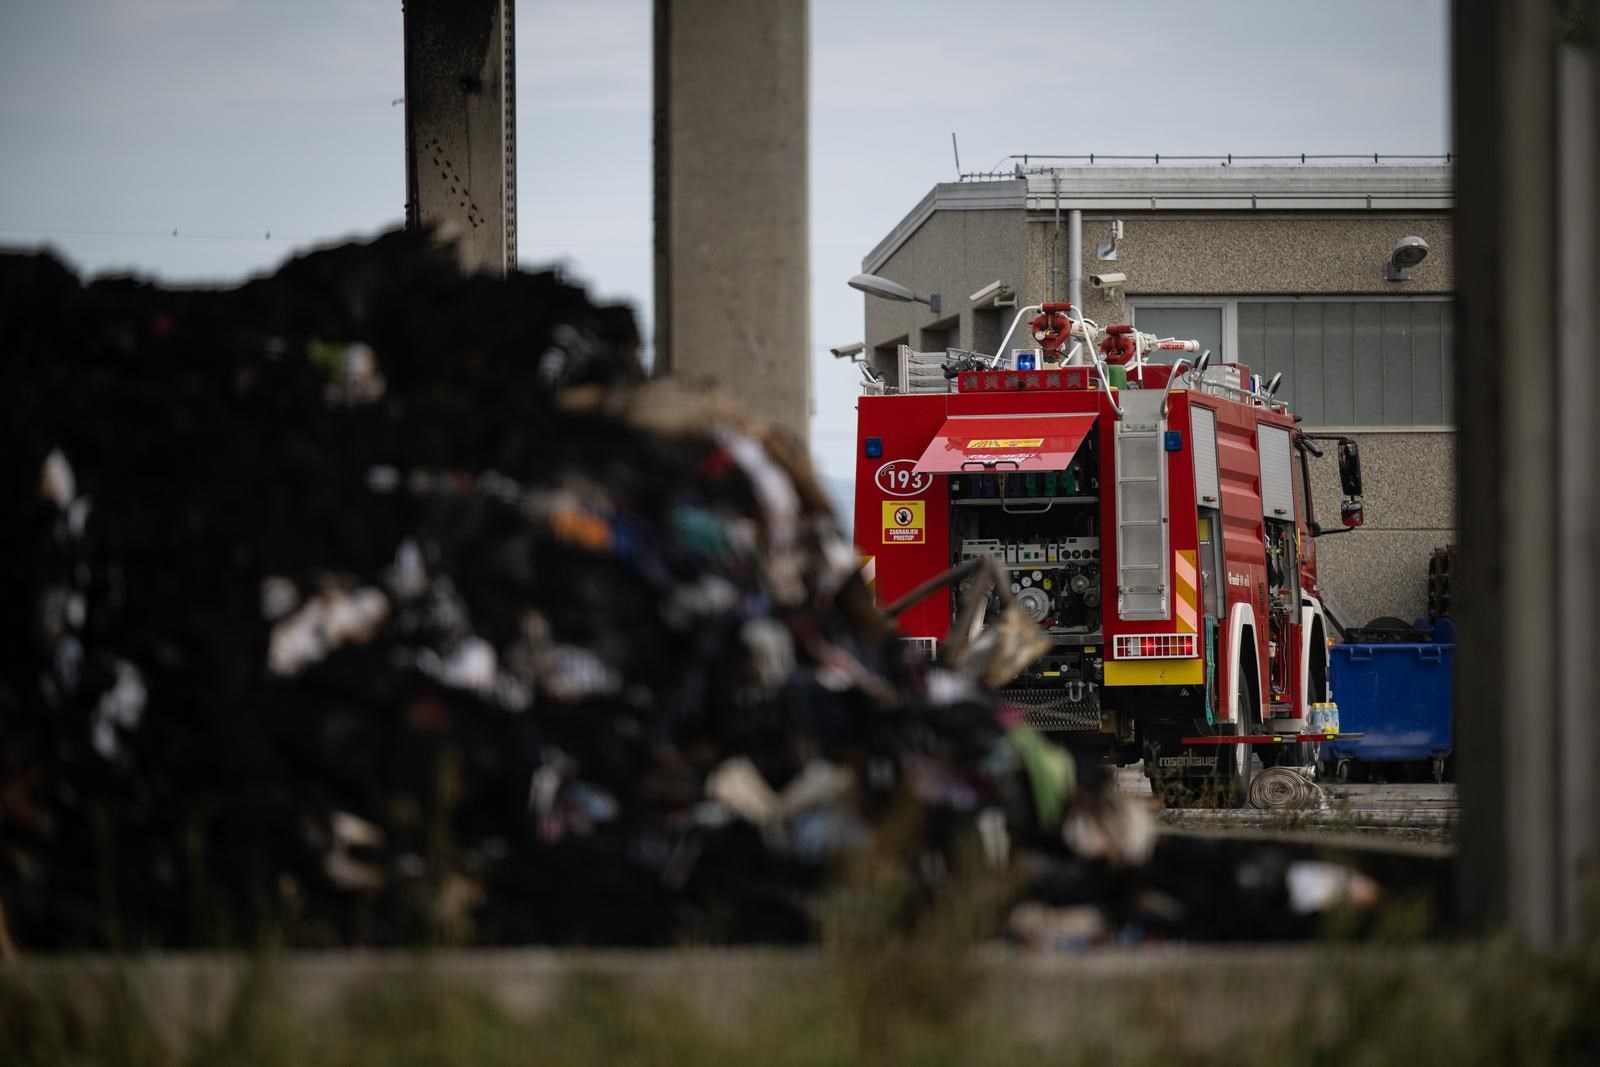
column 1350, row 468
column 1351, row 512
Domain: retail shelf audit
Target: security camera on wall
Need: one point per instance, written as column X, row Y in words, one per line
column 988, row 292
column 849, row 351
column 996, row 294
column 1109, row 280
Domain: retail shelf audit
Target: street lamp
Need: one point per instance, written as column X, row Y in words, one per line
column 1408, row 252
column 873, row 285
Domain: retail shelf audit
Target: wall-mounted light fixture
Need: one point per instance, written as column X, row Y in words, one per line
column 1407, row 253
column 1108, row 249
column 873, row 285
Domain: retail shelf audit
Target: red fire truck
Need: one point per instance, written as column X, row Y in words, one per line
column 1154, row 519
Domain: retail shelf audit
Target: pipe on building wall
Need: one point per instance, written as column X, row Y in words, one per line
column 1055, row 245
column 1075, row 257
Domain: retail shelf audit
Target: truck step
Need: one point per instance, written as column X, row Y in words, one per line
column 1074, row 721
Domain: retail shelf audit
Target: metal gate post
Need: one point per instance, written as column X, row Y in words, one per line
column 1525, row 267
column 461, row 160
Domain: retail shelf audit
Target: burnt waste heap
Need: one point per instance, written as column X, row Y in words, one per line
column 368, row 604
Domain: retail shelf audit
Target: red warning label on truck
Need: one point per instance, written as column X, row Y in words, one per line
column 904, row 522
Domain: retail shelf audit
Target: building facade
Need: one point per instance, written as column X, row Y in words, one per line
column 1284, row 268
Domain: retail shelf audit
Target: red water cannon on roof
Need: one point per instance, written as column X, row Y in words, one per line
column 1052, row 328
column 1121, row 343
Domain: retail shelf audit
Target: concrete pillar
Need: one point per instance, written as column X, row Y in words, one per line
column 1528, row 663
column 731, row 256
column 461, row 160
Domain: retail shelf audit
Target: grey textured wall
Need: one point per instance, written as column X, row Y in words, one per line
column 1257, row 254
column 954, row 254
column 1382, row 568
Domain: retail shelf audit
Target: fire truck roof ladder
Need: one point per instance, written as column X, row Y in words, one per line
column 922, row 372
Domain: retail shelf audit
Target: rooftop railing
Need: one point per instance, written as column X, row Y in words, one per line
column 1030, row 163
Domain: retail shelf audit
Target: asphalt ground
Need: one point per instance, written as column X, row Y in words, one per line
column 1402, row 812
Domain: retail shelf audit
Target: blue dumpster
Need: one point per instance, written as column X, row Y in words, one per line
column 1400, row 698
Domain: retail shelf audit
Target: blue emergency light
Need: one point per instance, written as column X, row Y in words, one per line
column 874, row 447
column 1027, row 361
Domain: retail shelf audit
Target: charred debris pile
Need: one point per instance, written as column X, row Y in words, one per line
column 369, row 604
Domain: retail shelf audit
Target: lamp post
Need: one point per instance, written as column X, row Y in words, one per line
column 873, row 285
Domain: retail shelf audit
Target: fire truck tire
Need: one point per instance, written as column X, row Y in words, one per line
column 1240, row 762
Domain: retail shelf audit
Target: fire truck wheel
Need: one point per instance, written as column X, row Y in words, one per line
column 1240, row 761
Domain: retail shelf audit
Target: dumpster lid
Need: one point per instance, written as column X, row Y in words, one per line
column 1388, row 630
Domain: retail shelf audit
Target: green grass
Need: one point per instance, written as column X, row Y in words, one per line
column 895, row 982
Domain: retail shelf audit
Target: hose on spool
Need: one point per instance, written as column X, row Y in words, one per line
column 1285, row 789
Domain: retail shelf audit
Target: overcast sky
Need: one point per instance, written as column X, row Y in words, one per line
column 122, row 121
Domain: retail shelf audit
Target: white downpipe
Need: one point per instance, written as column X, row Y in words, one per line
column 1075, row 257
column 1055, row 246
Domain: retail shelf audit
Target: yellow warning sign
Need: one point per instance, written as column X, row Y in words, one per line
column 904, row 522
column 1005, row 442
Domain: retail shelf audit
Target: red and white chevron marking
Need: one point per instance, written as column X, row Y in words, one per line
column 1185, row 590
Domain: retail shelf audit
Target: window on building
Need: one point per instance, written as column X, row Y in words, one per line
column 1348, row 362
column 1355, row 363
column 1197, row 322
